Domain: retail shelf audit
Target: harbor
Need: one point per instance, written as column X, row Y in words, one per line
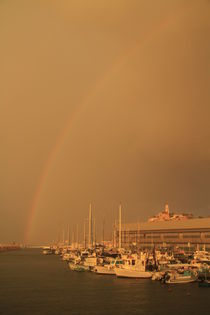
column 165, row 263
column 160, row 265
column 34, row 283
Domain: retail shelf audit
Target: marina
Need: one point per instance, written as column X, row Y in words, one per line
column 157, row 265
column 169, row 263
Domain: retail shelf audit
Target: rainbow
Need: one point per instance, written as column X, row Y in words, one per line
column 86, row 101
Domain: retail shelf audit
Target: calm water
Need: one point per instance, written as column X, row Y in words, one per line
column 31, row 283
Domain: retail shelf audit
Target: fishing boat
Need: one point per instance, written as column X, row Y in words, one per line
column 57, row 251
column 104, row 270
column 90, row 262
column 132, row 273
column 204, row 284
column 176, row 278
column 108, row 268
column 202, row 256
column 78, row 267
column 133, row 267
column 66, row 256
column 204, row 277
column 158, row 275
column 204, row 272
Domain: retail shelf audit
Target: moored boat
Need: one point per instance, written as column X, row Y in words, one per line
column 90, row 262
column 133, row 267
column 47, row 250
column 104, row 270
column 204, row 284
column 78, row 267
column 176, row 278
column 132, row 273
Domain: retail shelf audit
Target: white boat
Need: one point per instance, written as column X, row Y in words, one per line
column 90, row 261
column 66, row 256
column 104, row 270
column 158, row 275
column 176, row 278
column 78, row 267
column 46, row 250
column 132, row 273
column 107, row 268
column 202, row 256
column 133, row 267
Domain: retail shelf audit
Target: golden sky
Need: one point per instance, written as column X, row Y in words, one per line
column 102, row 102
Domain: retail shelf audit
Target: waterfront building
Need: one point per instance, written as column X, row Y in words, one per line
column 182, row 232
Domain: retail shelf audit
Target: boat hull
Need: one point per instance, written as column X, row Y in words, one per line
column 180, row 280
column 126, row 273
column 102, row 270
column 204, row 284
column 77, row 267
column 46, row 252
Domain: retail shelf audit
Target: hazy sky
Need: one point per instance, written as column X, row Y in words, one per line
column 103, row 102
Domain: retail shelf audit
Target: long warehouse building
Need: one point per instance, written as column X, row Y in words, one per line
column 190, row 233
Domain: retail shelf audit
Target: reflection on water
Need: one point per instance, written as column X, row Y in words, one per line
column 31, row 283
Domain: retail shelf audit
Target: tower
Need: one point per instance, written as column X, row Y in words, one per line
column 167, row 209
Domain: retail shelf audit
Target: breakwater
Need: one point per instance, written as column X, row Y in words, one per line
column 8, row 247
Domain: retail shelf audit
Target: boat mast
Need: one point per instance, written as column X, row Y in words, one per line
column 120, row 226
column 103, row 232
column 77, row 236
column 94, row 232
column 90, row 227
column 115, row 234
column 72, row 242
column 138, row 235
column 85, row 234
column 68, row 235
column 63, row 237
